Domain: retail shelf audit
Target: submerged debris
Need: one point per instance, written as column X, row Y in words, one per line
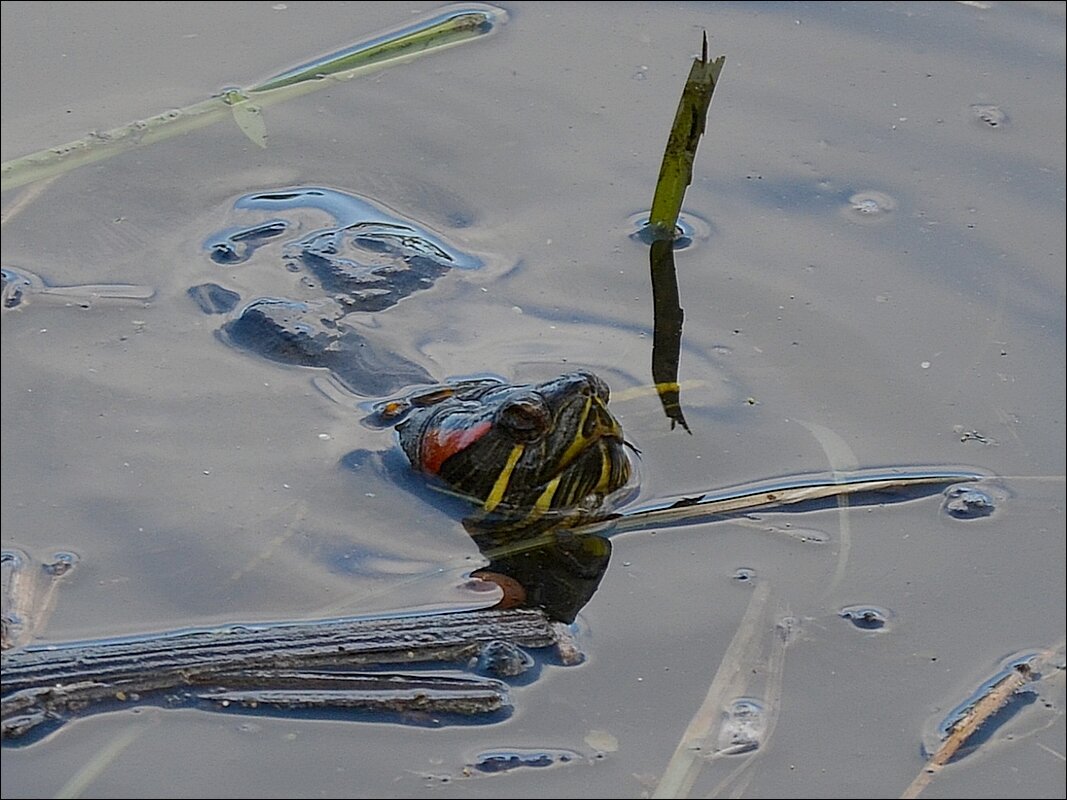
column 968, row 502
column 507, row 760
column 867, row 618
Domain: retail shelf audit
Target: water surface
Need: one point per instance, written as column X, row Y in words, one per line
column 877, row 282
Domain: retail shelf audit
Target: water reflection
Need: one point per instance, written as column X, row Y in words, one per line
column 667, row 331
column 559, row 576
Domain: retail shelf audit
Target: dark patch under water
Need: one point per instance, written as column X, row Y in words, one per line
column 367, row 261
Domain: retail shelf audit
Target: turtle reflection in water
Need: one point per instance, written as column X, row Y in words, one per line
column 531, row 458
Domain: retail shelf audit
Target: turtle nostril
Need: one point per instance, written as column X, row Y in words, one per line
column 600, row 422
column 597, row 386
column 589, row 384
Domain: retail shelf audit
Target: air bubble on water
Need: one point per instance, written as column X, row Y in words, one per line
column 744, row 575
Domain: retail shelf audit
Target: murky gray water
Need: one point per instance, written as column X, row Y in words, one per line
column 877, row 281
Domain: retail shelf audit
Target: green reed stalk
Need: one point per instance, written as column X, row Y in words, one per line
column 676, row 172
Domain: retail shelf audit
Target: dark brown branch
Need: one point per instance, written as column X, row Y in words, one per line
column 275, row 664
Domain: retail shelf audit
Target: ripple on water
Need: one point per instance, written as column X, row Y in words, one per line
column 690, row 230
column 869, row 207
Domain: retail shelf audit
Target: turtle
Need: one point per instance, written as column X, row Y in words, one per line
column 525, row 458
column 530, row 462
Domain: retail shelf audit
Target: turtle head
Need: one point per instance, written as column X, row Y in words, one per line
column 528, row 455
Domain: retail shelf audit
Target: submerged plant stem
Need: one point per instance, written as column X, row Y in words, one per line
column 752, row 665
column 446, row 27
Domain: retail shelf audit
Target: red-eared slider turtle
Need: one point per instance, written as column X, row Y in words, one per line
column 528, row 458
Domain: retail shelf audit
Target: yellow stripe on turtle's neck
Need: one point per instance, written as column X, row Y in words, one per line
column 502, row 480
column 544, row 502
column 604, row 483
column 579, row 442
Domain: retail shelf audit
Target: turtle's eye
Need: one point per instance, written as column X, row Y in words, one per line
column 525, row 419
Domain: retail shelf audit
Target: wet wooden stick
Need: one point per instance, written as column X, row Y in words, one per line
column 45, row 683
column 995, row 698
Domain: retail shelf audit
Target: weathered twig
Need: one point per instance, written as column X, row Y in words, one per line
column 724, row 504
column 273, row 664
column 995, row 697
column 388, row 691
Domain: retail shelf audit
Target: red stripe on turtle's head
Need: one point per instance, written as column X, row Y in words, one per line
column 440, row 444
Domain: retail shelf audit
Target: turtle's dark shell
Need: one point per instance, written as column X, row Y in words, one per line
column 366, row 262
